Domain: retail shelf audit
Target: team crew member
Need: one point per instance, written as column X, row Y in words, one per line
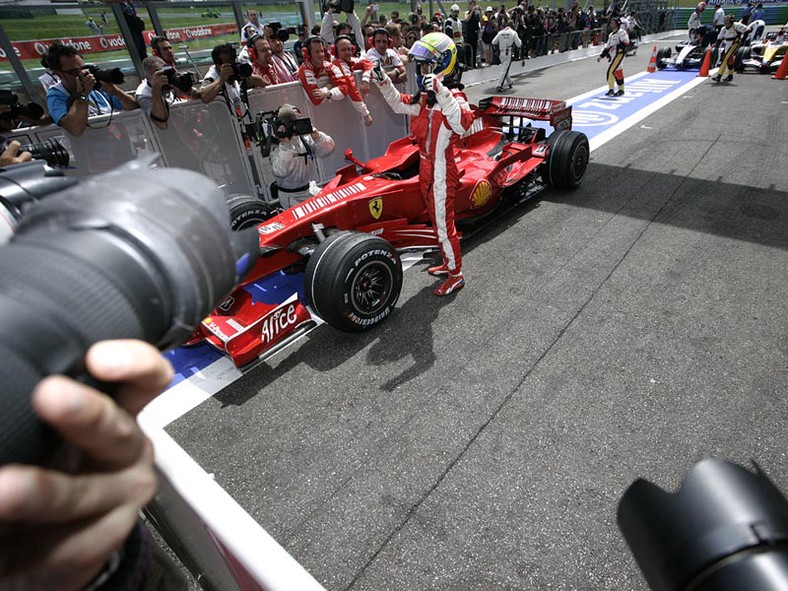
column 506, row 40
column 321, row 79
column 730, row 37
column 693, row 24
column 293, row 162
column 614, row 51
column 348, row 64
column 439, row 117
column 381, row 53
column 263, row 71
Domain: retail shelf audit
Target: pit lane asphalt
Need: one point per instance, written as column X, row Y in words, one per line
column 481, row 442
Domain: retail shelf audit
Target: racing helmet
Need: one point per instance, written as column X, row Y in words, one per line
column 454, row 9
column 701, row 6
column 436, row 49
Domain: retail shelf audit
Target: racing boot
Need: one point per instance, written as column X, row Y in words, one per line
column 453, row 283
column 610, row 92
column 619, row 92
column 728, row 78
column 438, row 270
column 716, row 78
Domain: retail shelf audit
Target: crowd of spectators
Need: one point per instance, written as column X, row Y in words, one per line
column 364, row 42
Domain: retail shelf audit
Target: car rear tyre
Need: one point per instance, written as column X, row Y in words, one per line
column 353, row 280
column 247, row 212
column 741, row 54
column 567, row 159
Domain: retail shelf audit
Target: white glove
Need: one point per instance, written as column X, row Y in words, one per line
column 378, row 75
column 433, row 83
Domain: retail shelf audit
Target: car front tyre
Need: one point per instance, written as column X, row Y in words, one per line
column 353, row 280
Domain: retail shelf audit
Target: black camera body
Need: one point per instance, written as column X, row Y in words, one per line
column 240, row 71
column 31, row 110
column 113, row 76
column 340, row 5
column 269, row 130
column 182, row 82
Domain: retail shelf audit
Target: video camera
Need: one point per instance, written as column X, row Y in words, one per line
column 31, row 110
column 182, row 82
column 132, row 253
column 724, row 529
column 269, row 129
column 339, row 5
column 282, row 34
column 113, row 76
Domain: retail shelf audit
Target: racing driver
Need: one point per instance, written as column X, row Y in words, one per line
column 439, row 117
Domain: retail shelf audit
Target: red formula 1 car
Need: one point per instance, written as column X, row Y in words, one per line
column 347, row 239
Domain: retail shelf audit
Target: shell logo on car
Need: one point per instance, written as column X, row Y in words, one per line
column 481, row 194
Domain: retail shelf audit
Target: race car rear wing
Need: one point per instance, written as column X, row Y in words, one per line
column 554, row 111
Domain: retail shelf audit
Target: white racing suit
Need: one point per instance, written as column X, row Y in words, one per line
column 617, row 43
column 729, row 39
column 506, row 40
column 295, row 168
column 437, row 130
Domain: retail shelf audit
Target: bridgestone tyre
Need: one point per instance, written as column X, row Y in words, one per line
column 741, row 54
column 246, row 212
column 567, row 159
column 353, row 280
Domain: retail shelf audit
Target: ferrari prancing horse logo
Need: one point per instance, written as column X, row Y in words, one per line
column 376, row 207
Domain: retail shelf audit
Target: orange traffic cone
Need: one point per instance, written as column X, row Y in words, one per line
column 652, row 63
column 782, row 71
column 706, row 66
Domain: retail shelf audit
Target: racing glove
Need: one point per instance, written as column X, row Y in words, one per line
column 378, row 75
column 431, row 82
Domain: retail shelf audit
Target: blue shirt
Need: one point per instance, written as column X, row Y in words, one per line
column 99, row 102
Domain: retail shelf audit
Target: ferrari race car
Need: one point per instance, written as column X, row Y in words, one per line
column 348, row 238
column 764, row 56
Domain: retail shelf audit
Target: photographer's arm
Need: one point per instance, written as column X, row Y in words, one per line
column 59, row 527
column 158, row 109
column 327, row 27
column 128, row 102
column 76, row 118
column 210, row 91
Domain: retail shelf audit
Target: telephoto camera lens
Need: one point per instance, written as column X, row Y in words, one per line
column 725, row 529
column 113, row 76
column 50, row 151
column 143, row 254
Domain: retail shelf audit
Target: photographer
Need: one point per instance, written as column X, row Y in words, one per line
column 154, row 94
column 78, row 95
column 73, row 524
column 14, row 115
column 221, row 78
column 293, row 162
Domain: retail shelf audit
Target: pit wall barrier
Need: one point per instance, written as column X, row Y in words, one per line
column 208, row 138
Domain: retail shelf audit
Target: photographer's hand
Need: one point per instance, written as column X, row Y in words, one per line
column 225, row 72
column 159, row 80
column 86, row 82
column 12, row 155
column 59, row 525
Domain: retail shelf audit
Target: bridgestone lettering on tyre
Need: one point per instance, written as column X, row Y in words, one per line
column 353, row 280
column 567, row 159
